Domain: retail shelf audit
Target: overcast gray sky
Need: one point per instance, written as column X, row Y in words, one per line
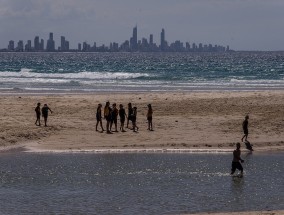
column 242, row 24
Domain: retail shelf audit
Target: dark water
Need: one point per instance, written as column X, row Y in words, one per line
column 138, row 183
column 91, row 72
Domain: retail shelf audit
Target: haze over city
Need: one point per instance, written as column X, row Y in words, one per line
column 241, row 24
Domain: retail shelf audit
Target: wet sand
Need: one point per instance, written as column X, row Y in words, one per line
column 200, row 121
column 278, row 212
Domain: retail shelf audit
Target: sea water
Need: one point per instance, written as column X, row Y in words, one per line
column 110, row 72
column 137, row 183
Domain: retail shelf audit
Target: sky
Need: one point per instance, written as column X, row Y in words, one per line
column 241, row 24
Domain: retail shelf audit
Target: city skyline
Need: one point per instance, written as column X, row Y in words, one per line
column 134, row 44
column 243, row 24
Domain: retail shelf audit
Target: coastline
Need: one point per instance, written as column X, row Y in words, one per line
column 183, row 122
column 272, row 212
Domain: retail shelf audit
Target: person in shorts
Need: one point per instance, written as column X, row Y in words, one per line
column 114, row 115
column 122, row 116
column 107, row 116
column 130, row 113
column 44, row 112
column 134, row 118
column 236, row 160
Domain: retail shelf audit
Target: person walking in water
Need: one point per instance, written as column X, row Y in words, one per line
column 150, row 117
column 44, row 112
column 99, row 117
column 134, row 118
column 37, row 110
column 245, row 128
column 236, row 160
column 114, row 115
column 122, row 115
column 107, row 116
column 130, row 113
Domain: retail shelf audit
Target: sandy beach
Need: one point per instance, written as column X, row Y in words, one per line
column 196, row 121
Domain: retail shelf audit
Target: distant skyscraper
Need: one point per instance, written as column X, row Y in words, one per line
column 36, row 43
column 79, row 47
column 41, row 45
column 134, row 42
column 151, row 39
column 62, row 47
column 163, row 41
column 50, row 46
column 11, row 45
column 20, row 46
column 28, row 46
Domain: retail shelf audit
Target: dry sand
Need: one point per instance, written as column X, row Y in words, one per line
column 182, row 121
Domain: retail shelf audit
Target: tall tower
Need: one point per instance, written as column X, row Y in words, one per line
column 134, row 39
column 62, row 44
column 36, row 44
column 50, row 46
column 163, row 42
column 151, row 39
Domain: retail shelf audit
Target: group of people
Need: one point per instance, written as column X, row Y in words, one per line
column 42, row 111
column 111, row 114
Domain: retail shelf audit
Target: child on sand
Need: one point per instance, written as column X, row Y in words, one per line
column 245, row 128
column 37, row 110
column 150, row 117
column 99, row 117
column 236, row 160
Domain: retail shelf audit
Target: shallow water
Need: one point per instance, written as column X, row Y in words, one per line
column 138, row 183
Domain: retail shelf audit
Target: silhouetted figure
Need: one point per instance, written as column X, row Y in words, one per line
column 99, row 117
column 130, row 113
column 122, row 116
column 134, row 118
column 236, row 160
column 37, row 110
column 114, row 115
column 245, row 128
column 150, row 117
column 44, row 112
column 107, row 116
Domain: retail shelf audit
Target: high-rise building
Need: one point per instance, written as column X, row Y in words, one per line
column 62, row 47
column 11, row 45
column 28, row 46
column 79, row 47
column 20, row 46
column 134, row 42
column 163, row 41
column 50, row 46
column 151, row 39
column 41, row 45
column 36, row 44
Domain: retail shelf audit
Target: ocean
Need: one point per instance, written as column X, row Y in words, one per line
column 128, row 72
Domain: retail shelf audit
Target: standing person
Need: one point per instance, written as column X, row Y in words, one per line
column 236, row 160
column 44, row 111
column 107, row 116
column 245, row 128
column 150, row 117
column 37, row 110
column 99, row 117
column 114, row 115
column 122, row 115
column 130, row 113
column 134, row 118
